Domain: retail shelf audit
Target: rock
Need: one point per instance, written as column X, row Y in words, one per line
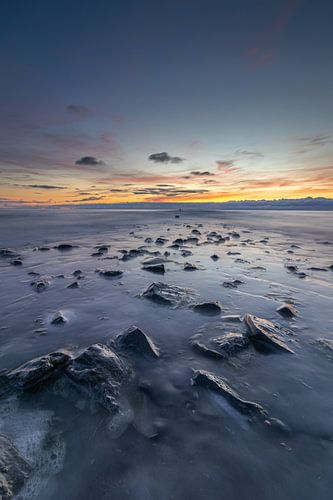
column 99, row 373
column 233, row 253
column 97, row 254
column 162, row 293
column 111, row 273
column 192, row 240
column 103, row 249
column 160, row 241
column 330, row 267
column 232, row 284
column 40, row 285
column 214, row 257
column 157, row 268
column 291, row 268
column 131, row 254
column 7, row 252
column 186, row 253
column 190, row 267
column 43, row 249
column 317, row 269
column 230, row 343
column 148, row 240
column 63, row 247
column 33, row 273
column 205, row 350
column 77, row 273
column 196, row 231
column 265, row 334
column 208, row 308
column 178, row 241
column 135, row 339
column 75, row 284
column 211, row 381
column 34, row 372
column 58, row 319
column 14, row 469
column 327, row 344
column 234, row 234
column 287, row 310
column 242, row 261
column 16, row 262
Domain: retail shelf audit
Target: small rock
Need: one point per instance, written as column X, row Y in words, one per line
column 58, row 319
column 63, row 247
column 157, row 268
column 190, row 267
column 137, row 340
column 214, row 257
column 208, row 308
column 111, row 273
column 265, row 333
column 287, row 310
column 75, row 284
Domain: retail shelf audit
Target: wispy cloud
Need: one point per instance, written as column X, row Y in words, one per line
column 227, row 166
column 91, row 161
column 312, row 142
column 200, row 173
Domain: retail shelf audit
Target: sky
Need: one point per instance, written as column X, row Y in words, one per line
column 113, row 101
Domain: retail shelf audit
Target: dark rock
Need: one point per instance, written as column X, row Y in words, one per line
column 234, row 234
column 135, row 339
column 75, row 284
column 99, row 373
column 186, row 253
column 14, row 469
column 232, row 284
column 208, row 380
column 16, row 262
column 58, row 319
column 162, row 293
column 33, row 273
column 7, row 252
column 287, row 310
column 214, row 257
column 43, row 249
column 63, row 247
column 196, row 231
column 160, row 241
column 192, row 240
column 190, row 267
column 291, row 268
column 242, row 261
column 206, row 351
column 131, row 254
column 77, row 273
column 34, row 372
column 317, row 268
column 178, row 241
column 111, row 273
column 208, row 308
column 233, row 253
column 97, row 254
column 265, row 334
column 157, row 268
column 40, row 285
column 103, row 249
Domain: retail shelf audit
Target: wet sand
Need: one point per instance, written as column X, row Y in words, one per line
column 176, row 439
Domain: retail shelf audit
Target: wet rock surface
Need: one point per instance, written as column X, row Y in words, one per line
column 14, row 469
column 265, row 334
column 135, row 339
column 165, row 294
column 208, row 308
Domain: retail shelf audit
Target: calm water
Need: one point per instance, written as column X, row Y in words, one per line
column 205, row 449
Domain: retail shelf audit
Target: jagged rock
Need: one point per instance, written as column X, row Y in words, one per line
column 111, row 273
column 99, row 372
column 162, row 293
column 287, row 310
column 214, row 382
column 208, row 308
column 265, row 334
column 58, row 319
column 14, row 469
column 34, row 372
column 232, row 284
column 205, row 350
column 190, row 267
column 157, row 268
column 214, row 257
column 135, row 339
column 230, row 343
column 40, row 285
column 75, row 284
column 64, row 247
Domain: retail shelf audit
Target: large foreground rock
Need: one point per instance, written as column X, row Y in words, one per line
column 266, row 334
column 14, row 470
column 34, row 372
column 214, row 382
column 99, row 372
column 135, row 339
column 162, row 293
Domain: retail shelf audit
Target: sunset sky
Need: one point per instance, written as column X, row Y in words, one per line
column 184, row 100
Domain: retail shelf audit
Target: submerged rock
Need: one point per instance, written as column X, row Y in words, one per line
column 75, row 284
column 64, row 247
column 155, row 268
column 190, row 267
column 135, row 339
column 162, row 293
column 16, row 262
column 7, row 252
column 77, row 273
column 58, row 318
column 160, row 240
column 34, row 372
column 265, row 334
column 208, row 308
column 204, row 349
column 99, row 372
column 111, row 273
column 232, row 284
column 40, row 285
column 14, row 469
column 214, row 382
column 186, row 253
column 287, row 310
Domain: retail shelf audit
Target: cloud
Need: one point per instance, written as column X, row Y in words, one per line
column 91, row 198
column 312, row 142
column 78, row 110
column 227, row 166
column 90, row 161
column 249, row 154
column 201, row 174
column 39, row 186
column 164, row 158
column 170, row 192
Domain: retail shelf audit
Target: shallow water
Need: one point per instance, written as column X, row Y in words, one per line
column 204, row 448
